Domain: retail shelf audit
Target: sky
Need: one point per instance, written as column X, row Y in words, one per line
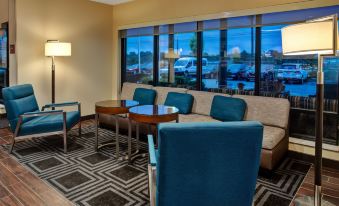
column 237, row 39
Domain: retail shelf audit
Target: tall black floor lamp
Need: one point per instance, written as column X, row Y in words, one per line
column 54, row 48
column 317, row 36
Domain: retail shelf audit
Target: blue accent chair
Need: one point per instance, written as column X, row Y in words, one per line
column 205, row 164
column 27, row 121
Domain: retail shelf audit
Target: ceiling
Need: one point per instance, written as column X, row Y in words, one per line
column 112, row 2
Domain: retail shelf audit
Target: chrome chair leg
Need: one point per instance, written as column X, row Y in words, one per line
column 129, row 140
column 65, row 142
column 117, row 147
column 12, row 146
column 79, row 129
column 65, row 133
column 96, row 131
column 138, row 136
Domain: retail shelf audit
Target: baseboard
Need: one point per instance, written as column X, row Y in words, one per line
column 309, row 158
column 87, row 117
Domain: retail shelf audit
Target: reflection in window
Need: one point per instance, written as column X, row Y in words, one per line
column 185, row 68
column 139, row 59
column 240, row 59
column 211, row 59
column 163, row 61
column 285, row 75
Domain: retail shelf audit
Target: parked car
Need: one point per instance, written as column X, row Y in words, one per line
column 250, row 74
column 133, row 69
column 188, row 66
column 237, row 71
column 146, row 68
column 292, row 73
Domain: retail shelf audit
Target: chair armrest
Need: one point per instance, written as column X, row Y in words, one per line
column 65, row 104
column 151, row 150
column 43, row 113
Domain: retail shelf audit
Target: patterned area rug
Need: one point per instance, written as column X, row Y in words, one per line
column 89, row 178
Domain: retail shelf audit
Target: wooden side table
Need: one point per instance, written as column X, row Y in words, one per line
column 114, row 108
column 151, row 115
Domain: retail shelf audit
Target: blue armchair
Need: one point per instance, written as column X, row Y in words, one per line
column 205, row 163
column 27, row 121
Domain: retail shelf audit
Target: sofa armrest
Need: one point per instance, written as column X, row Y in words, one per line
column 151, row 150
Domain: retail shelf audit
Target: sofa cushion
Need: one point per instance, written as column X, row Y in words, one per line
column 128, row 89
column 181, row 101
column 267, row 110
column 144, row 96
column 228, row 108
column 272, row 137
column 196, row 118
column 203, row 101
column 163, row 91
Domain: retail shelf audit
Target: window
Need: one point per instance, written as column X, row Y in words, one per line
column 211, row 61
column 139, row 59
column 185, row 44
column 223, row 51
column 291, row 75
column 163, row 61
column 240, row 59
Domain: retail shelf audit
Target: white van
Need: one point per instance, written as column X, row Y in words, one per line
column 188, row 66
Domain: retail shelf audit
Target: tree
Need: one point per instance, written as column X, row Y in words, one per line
column 193, row 44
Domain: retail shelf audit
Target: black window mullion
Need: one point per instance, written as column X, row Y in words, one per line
column 170, row 46
column 257, row 57
column 123, row 60
column 222, row 77
column 199, row 61
column 156, row 60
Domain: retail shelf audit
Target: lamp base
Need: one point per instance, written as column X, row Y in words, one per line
column 309, row 201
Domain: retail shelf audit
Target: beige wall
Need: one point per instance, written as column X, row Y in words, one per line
column 86, row 76
column 3, row 11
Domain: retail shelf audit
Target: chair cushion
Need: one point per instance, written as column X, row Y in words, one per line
column 228, row 108
column 181, row 101
column 272, row 137
column 19, row 100
column 163, row 91
column 128, row 89
column 144, row 96
column 203, row 101
column 195, row 118
column 50, row 123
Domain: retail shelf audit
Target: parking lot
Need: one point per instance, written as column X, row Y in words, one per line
column 306, row 89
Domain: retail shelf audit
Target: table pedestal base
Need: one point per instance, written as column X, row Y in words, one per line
column 116, row 143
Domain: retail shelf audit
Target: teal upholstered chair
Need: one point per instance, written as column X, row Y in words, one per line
column 205, row 163
column 27, row 121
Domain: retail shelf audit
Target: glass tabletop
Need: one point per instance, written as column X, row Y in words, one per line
column 117, row 103
column 153, row 110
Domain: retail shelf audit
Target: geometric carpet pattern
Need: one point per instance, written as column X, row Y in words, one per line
column 92, row 178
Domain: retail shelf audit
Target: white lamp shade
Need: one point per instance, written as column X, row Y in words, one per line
column 308, row 38
column 58, row 49
column 171, row 54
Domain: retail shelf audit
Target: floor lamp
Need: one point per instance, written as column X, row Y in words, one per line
column 318, row 36
column 54, row 48
column 171, row 56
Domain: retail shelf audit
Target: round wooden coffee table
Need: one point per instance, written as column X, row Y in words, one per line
column 114, row 108
column 151, row 115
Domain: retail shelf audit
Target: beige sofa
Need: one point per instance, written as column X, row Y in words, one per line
column 273, row 113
